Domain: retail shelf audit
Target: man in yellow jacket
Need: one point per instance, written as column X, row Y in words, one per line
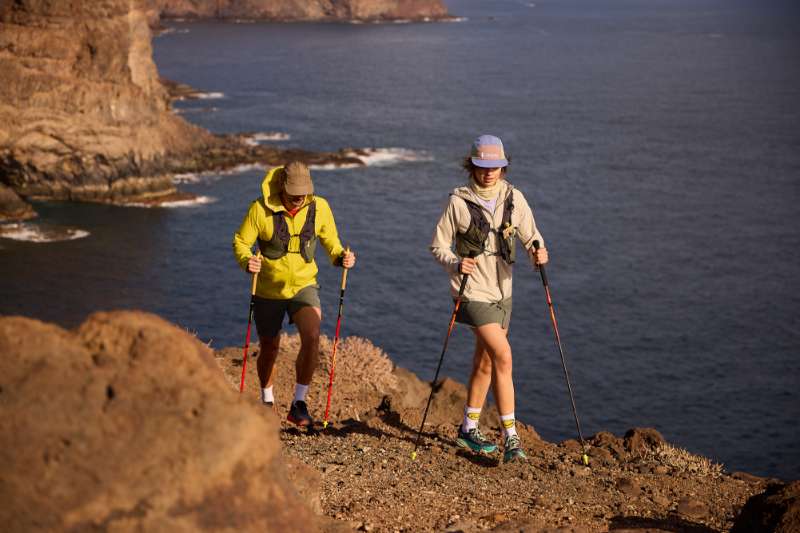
column 286, row 223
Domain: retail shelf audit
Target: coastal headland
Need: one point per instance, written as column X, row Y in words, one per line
column 129, row 423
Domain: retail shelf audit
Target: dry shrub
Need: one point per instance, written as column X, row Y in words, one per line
column 683, row 461
column 357, row 361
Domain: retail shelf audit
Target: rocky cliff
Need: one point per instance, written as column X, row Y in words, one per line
column 83, row 115
column 316, row 10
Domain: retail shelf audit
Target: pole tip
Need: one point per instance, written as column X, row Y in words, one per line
column 585, row 459
column 414, row 456
column 325, row 424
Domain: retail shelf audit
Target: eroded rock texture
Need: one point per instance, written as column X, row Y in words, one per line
column 127, row 424
column 83, row 115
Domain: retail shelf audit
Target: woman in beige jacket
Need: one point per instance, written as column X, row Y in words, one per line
column 476, row 236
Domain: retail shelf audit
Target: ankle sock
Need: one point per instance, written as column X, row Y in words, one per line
column 266, row 395
column 300, row 392
column 472, row 416
column 509, row 425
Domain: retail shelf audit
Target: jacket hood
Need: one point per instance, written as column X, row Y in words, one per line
column 271, row 190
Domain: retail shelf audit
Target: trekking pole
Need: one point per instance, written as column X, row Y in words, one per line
column 249, row 323
column 464, row 278
column 584, row 457
column 336, row 339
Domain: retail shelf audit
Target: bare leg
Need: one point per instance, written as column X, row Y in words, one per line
column 481, row 377
column 307, row 321
column 265, row 363
column 493, row 337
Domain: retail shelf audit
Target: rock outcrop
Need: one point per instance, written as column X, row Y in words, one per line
column 83, row 115
column 130, row 424
column 775, row 510
column 289, row 10
column 127, row 424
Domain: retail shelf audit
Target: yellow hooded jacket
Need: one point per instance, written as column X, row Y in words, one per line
column 281, row 279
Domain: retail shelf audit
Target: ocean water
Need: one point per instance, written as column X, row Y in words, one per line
column 657, row 141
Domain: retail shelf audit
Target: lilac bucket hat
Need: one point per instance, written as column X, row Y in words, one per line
column 487, row 152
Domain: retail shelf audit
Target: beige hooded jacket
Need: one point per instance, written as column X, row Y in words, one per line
column 491, row 280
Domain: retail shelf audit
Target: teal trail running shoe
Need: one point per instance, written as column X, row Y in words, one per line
column 514, row 450
column 475, row 441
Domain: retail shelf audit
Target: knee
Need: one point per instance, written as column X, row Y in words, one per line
column 502, row 362
column 309, row 339
column 484, row 366
column 270, row 344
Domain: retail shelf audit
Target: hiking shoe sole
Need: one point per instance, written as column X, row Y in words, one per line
column 514, row 455
column 302, row 422
column 463, row 443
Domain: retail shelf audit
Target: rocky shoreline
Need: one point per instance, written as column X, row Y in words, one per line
column 290, row 11
column 143, row 428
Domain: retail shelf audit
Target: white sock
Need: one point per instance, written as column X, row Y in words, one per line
column 300, row 392
column 509, row 425
column 266, row 395
column 471, row 417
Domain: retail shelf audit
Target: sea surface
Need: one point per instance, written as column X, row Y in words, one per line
column 658, row 142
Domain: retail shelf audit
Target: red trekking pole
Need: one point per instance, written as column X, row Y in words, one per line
column 249, row 323
column 336, row 340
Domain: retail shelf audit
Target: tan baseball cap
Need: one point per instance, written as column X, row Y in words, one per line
column 297, row 179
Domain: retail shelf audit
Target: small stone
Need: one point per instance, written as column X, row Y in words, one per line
column 692, row 508
column 661, row 470
column 661, row 500
column 629, row 487
column 749, row 478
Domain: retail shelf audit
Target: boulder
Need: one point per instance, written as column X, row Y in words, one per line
column 640, row 440
column 128, row 424
column 776, row 510
column 12, row 207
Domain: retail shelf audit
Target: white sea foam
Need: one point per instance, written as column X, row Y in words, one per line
column 378, row 157
column 166, row 31
column 258, row 138
column 384, row 157
column 192, row 202
column 456, row 19
column 40, row 233
column 209, row 96
column 334, row 166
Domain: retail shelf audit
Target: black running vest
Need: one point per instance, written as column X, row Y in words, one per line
column 472, row 242
column 278, row 245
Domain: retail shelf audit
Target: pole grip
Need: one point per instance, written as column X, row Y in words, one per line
column 255, row 279
column 344, row 270
column 536, row 246
column 464, row 278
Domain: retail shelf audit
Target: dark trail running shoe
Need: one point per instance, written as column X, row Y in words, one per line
column 475, row 441
column 298, row 414
column 514, row 450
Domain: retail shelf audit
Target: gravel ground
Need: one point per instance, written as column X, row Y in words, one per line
column 365, row 478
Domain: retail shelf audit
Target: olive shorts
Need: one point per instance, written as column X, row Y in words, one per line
column 269, row 313
column 481, row 313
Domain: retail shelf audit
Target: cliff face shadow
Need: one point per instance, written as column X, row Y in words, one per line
column 671, row 523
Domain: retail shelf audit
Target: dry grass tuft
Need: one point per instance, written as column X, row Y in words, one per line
column 683, row 461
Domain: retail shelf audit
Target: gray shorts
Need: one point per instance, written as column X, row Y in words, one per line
column 481, row 313
column 269, row 313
